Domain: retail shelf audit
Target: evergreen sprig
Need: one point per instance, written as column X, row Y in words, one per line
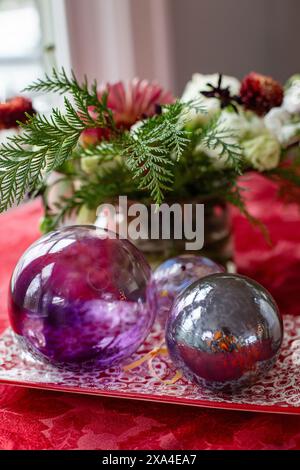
column 215, row 136
column 154, row 148
column 83, row 96
column 45, row 143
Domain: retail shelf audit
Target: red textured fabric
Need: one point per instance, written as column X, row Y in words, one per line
column 32, row 419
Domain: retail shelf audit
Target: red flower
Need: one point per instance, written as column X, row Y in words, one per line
column 15, row 110
column 130, row 102
column 260, row 93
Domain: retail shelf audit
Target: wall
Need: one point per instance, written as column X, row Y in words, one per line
column 168, row 40
column 235, row 37
column 118, row 39
column 100, row 38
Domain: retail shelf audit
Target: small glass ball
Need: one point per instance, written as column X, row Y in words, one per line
column 80, row 295
column 224, row 331
column 174, row 275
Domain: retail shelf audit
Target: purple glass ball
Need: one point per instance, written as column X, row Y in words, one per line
column 80, row 295
column 224, row 331
column 174, row 275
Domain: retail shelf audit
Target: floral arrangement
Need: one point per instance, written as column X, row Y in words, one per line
column 264, row 118
column 136, row 139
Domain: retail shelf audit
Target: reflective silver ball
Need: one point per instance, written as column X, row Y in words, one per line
column 175, row 274
column 224, row 331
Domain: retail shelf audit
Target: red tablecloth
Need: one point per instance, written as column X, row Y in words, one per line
column 31, row 419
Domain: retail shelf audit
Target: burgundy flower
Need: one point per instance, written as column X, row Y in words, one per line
column 130, row 102
column 260, row 93
column 14, row 111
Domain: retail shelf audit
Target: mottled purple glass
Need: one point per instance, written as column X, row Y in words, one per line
column 82, row 296
column 224, row 331
column 174, row 275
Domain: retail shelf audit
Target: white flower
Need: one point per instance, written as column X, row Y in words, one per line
column 238, row 126
column 262, row 152
column 198, row 83
column 275, row 119
column 290, row 133
column 243, row 123
column 280, row 123
column 261, row 148
column 291, row 100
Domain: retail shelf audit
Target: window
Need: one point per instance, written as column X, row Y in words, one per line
column 21, row 45
column 33, row 39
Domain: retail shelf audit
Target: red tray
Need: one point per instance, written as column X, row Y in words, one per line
column 278, row 392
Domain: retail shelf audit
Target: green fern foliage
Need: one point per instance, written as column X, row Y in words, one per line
column 214, row 136
column 45, row 143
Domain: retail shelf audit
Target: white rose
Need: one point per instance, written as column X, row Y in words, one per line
column 276, row 118
column 279, row 122
column 199, row 83
column 243, row 123
column 262, row 152
column 290, row 133
column 291, row 100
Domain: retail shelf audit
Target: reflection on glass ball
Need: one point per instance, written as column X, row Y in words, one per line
column 224, row 331
column 82, row 296
column 175, row 274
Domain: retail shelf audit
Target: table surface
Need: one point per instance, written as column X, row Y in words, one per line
column 33, row 419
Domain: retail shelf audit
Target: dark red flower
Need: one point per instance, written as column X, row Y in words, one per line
column 260, row 93
column 14, row 111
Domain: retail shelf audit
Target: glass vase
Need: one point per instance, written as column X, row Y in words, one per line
column 217, row 238
column 217, row 232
